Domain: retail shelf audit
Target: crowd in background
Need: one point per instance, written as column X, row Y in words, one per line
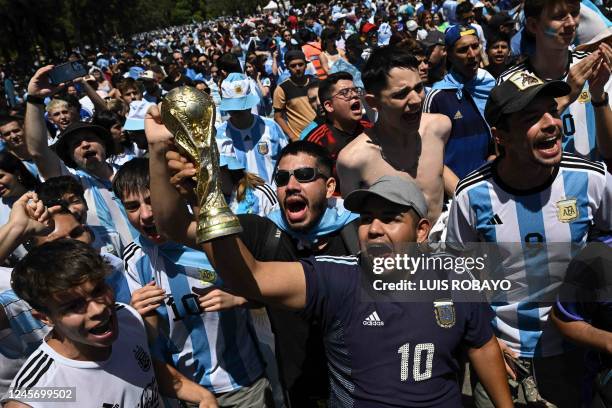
column 302, row 95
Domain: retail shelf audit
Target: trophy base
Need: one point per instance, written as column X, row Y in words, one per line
column 213, row 224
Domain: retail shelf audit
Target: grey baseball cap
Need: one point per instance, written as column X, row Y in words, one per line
column 397, row 190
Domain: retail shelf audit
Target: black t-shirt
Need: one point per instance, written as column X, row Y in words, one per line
column 299, row 342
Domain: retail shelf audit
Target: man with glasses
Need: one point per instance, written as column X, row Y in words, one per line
column 292, row 111
column 461, row 95
column 341, row 102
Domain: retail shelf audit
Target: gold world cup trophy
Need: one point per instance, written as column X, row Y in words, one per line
column 190, row 115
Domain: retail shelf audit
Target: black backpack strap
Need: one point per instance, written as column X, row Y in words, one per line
column 350, row 238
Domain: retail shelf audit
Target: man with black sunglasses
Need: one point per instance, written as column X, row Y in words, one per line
column 309, row 222
column 382, row 353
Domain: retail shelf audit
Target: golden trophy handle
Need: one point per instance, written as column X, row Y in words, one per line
column 190, row 115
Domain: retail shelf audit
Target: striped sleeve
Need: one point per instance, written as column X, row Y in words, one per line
column 428, row 106
column 35, row 372
column 267, row 199
column 136, row 278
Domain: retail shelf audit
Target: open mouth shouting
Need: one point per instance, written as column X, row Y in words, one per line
column 105, row 330
column 296, row 208
column 89, row 154
column 550, row 146
column 356, row 108
column 151, row 232
column 379, row 250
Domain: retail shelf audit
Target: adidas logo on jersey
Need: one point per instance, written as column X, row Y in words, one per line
column 495, row 220
column 373, row 320
column 458, row 115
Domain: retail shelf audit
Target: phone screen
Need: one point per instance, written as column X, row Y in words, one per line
column 67, row 72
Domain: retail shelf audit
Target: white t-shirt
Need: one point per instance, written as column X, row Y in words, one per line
column 126, row 379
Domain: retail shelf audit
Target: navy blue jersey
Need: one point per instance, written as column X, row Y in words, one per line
column 389, row 354
column 468, row 145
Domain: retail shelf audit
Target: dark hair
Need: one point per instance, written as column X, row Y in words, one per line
column 381, row 62
column 535, row 8
column 328, row 34
column 132, row 178
column 497, row 37
column 463, row 8
column 71, row 100
column 324, row 160
column 52, row 190
column 107, row 119
column 312, row 84
column 6, row 119
column 11, row 164
column 306, row 35
column 56, row 267
column 326, row 85
column 229, row 63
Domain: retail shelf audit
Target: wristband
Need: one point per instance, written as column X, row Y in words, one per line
column 601, row 103
column 35, row 100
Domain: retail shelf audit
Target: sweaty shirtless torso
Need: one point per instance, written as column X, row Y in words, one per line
column 363, row 161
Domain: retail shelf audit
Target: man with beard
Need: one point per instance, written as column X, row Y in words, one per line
column 375, row 347
column 534, row 193
column 309, row 221
column 292, row 111
column 81, row 151
column 404, row 141
column 461, row 96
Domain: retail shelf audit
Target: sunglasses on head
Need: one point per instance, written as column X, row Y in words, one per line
column 302, row 175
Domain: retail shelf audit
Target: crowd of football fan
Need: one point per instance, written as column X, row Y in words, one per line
column 345, row 131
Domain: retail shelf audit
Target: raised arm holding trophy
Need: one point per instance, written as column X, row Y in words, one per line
column 189, row 114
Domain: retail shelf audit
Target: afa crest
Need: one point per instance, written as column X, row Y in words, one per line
column 262, row 148
column 444, row 310
column 524, row 80
column 584, row 96
column 567, row 210
column 207, row 276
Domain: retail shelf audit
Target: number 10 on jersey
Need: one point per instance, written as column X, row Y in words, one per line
column 421, row 349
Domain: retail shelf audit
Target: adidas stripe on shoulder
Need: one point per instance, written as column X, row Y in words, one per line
column 345, row 260
column 33, row 370
column 475, row 177
column 572, row 161
column 429, row 99
column 268, row 192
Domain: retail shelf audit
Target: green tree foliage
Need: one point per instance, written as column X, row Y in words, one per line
column 32, row 29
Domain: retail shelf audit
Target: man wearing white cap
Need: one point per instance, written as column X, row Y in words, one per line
column 254, row 140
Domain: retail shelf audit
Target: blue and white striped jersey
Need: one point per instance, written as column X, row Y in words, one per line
column 216, row 349
column 578, row 194
column 104, row 209
column 579, row 136
column 256, row 148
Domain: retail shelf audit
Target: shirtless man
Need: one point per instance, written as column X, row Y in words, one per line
column 404, row 141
